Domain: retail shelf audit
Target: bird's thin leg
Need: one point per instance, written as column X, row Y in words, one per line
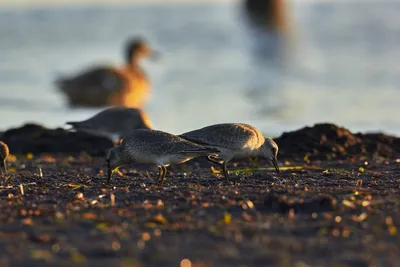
column 225, row 170
column 212, row 159
column 164, row 174
column 3, row 167
column 160, row 171
column 222, row 164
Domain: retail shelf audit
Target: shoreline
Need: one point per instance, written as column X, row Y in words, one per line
column 321, row 141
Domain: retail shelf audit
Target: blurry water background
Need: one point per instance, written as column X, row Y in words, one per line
column 343, row 65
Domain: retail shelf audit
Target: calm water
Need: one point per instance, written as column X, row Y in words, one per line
column 343, row 66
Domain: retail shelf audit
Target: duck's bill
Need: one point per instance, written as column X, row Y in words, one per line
column 275, row 162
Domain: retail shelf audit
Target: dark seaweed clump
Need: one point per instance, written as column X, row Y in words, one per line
column 328, row 141
column 36, row 139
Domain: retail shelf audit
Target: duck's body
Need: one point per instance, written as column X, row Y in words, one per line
column 104, row 86
column 114, row 123
column 154, row 147
column 137, row 89
column 234, row 140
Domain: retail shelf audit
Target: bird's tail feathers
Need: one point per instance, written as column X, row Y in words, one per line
column 74, row 124
column 61, row 83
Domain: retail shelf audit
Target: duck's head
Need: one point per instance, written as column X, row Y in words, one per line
column 137, row 48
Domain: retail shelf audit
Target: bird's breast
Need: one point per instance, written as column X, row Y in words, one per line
column 136, row 93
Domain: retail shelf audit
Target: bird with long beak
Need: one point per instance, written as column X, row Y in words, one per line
column 154, row 147
column 234, row 140
column 4, row 152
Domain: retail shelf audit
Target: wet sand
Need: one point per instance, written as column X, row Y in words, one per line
column 337, row 212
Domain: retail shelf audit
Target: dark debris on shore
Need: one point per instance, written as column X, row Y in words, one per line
column 36, row 139
column 327, row 141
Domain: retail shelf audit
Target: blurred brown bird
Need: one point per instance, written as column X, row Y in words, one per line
column 104, row 86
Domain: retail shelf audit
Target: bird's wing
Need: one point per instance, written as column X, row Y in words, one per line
column 223, row 135
column 164, row 143
column 117, row 119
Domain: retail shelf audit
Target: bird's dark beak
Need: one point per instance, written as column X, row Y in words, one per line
column 4, row 167
column 275, row 162
column 109, row 173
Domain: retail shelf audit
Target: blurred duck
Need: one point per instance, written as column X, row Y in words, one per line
column 272, row 14
column 105, row 86
column 270, row 28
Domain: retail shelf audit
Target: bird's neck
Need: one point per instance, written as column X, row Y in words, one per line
column 132, row 65
column 135, row 60
column 261, row 147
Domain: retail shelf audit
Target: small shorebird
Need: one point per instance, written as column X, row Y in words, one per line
column 154, row 147
column 104, row 86
column 4, row 152
column 113, row 123
column 234, row 140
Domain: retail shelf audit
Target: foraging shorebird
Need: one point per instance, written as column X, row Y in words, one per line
column 154, row 147
column 104, row 86
column 4, row 152
column 234, row 140
column 113, row 123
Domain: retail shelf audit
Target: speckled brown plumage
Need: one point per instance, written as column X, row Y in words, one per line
column 154, row 147
column 234, row 140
